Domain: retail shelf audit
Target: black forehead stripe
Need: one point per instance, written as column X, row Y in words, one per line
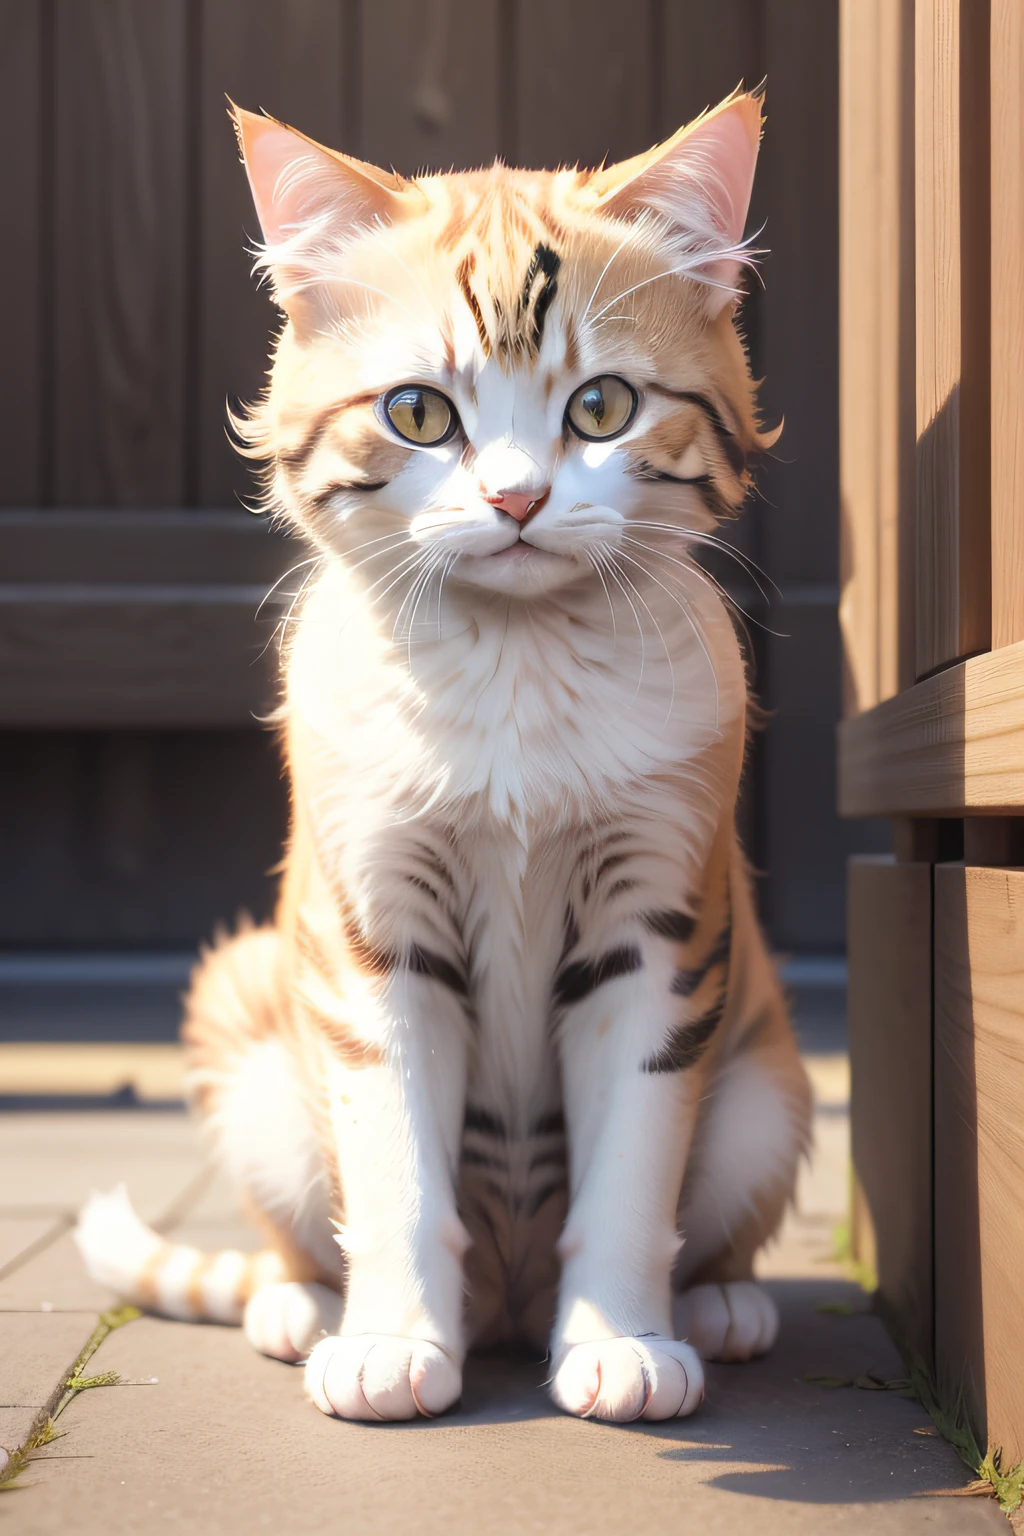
column 463, row 276
column 727, row 440
column 546, row 263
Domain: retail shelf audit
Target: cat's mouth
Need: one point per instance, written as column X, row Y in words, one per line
column 520, row 550
column 520, row 567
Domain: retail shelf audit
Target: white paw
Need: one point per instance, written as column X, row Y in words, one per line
column 627, row 1379
column 732, row 1321
column 285, row 1321
column 380, row 1376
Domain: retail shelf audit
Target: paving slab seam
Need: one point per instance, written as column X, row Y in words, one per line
column 71, row 1384
column 40, row 1245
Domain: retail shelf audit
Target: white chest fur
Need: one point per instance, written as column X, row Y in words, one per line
column 516, row 712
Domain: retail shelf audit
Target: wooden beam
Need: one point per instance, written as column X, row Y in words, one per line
column 979, row 1149
column 139, row 620
column 889, row 927
column 952, row 279
column 1007, row 323
column 951, row 745
column 876, row 354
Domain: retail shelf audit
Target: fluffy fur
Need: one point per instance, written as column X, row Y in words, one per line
column 512, row 1065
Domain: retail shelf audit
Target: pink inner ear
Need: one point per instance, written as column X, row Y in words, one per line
column 725, row 149
column 293, row 181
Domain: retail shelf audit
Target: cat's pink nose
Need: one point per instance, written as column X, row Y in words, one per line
column 519, row 504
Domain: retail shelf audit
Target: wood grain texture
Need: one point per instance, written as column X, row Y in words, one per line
column 890, row 1033
column 429, row 84
column 799, row 343
column 201, row 548
column 1007, row 151
column 132, row 657
column 195, row 847
column 953, row 743
column 876, row 350
column 705, row 53
column 25, row 175
column 601, row 42
column 953, row 606
column 979, row 1148
column 119, row 259
column 289, row 58
column 121, row 620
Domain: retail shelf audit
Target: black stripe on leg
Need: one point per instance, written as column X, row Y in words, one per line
column 474, row 1159
column 570, row 935
column 670, row 925
column 426, row 962
column 685, row 983
column 550, row 1124
column 484, row 1122
column 541, row 1196
column 576, row 981
column 687, row 1042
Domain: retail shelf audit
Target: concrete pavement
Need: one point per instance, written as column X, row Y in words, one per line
column 223, row 1440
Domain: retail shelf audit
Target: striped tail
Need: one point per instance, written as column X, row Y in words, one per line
column 172, row 1279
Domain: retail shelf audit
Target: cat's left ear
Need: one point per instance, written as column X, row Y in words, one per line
column 700, row 182
column 310, row 201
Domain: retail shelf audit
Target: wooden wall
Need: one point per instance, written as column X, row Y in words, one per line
column 130, row 571
column 932, row 368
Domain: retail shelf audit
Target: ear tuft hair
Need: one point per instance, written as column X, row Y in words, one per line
column 698, row 185
column 310, row 202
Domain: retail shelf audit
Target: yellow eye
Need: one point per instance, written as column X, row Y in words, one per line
column 420, row 415
column 601, row 409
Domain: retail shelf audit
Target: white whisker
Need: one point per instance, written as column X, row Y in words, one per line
column 313, row 560
column 629, row 235
column 698, row 632
column 668, row 654
column 710, row 539
column 611, row 606
column 610, row 566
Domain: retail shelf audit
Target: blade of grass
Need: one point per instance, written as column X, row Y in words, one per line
column 42, row 1431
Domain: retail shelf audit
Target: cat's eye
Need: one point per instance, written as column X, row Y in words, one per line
column 420, row 415
column 602, row 409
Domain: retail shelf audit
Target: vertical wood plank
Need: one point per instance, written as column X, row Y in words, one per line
column 430, row 84
column 1007, row 150
column 24, row 173
column 889, row 1022
column 952, row 275
column 979, row 1148
column 876, row 350
column 805, row 845
column 579, row 67
column 800, row 330
column 288, row 57
column 120, row 216
column 705, row 53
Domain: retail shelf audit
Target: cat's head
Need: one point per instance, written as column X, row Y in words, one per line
column 520, row 372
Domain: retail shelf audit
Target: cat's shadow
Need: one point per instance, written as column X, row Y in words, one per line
column 765, row 1429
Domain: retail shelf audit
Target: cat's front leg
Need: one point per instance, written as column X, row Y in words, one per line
column 636, row 1021
column 393, row 1048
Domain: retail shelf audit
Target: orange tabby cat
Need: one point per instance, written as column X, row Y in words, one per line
column 512, row 1064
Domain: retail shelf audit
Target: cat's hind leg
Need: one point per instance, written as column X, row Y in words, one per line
column 245, row 1082
column 739, row 1179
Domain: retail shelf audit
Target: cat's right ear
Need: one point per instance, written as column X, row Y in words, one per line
column 309, row 201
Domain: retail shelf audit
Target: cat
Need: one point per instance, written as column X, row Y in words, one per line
column 512, row 1066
